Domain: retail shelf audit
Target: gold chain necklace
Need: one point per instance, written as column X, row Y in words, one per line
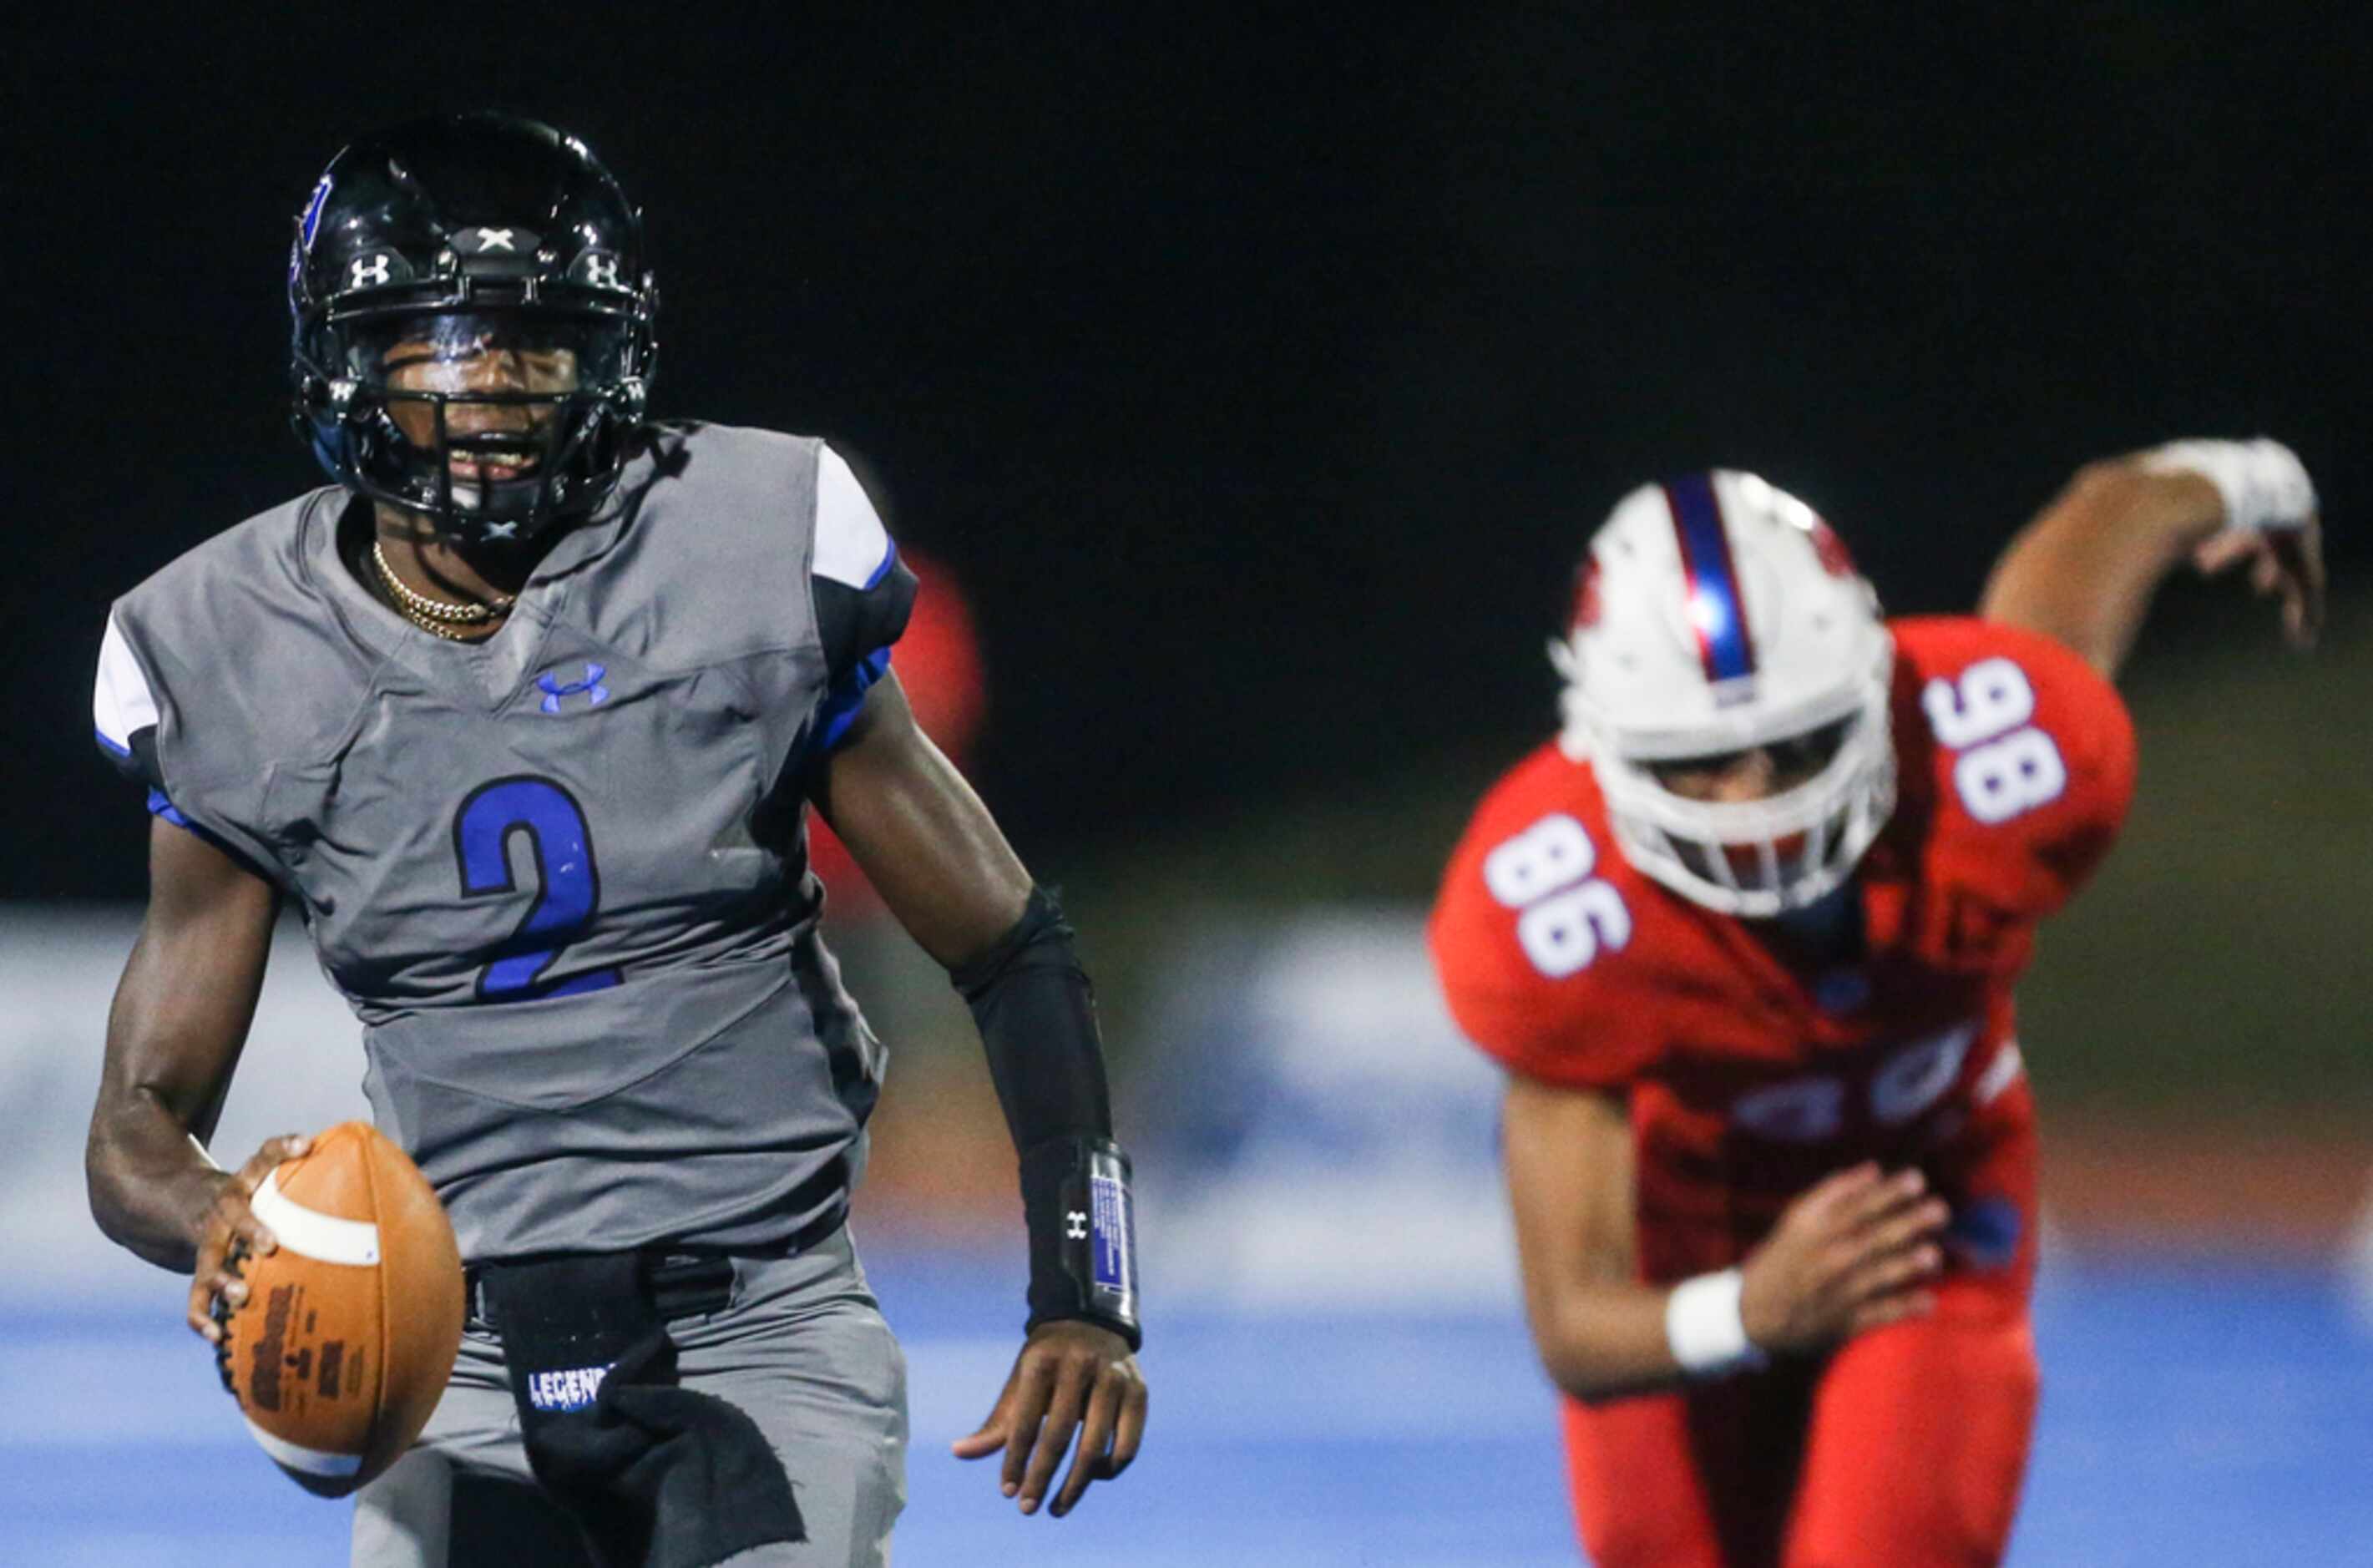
column 440, row 616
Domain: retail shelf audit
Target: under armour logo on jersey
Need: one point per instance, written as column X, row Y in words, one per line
column 373, row 271
column 495, row 239
column 555, row 688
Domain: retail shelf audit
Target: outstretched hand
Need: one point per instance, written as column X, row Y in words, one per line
column 2283, row 561
column 1070, row 1377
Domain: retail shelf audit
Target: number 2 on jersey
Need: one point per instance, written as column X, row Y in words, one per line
column 568, row 888
column 1565, row 914
column 2006, row 766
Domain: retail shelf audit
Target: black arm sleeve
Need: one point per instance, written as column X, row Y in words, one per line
column 1037, row 1018
column 1037, row 1021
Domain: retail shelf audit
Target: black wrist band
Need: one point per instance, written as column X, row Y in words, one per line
column 1082, row 1236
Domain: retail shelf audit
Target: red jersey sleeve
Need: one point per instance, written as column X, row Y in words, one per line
column 2027, row 751
column 1529, row 927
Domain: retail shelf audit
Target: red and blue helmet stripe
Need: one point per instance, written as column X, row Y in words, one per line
column 1716, row 611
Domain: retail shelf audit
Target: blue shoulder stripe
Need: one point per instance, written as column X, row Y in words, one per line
column 161, row 804
column 847, row 699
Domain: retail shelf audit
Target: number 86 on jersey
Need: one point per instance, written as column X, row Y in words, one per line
column 1565, row 914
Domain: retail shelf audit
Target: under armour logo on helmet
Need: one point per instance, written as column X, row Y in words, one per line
column 495, row 239
column 555, row 688
column 372, row 271
column 602, row 270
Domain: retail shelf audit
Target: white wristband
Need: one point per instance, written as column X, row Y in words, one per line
column 1702, row 1326
column 2263, row 482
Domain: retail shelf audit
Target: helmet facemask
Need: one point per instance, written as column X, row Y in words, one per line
column 494, row 424
column 1757, row 858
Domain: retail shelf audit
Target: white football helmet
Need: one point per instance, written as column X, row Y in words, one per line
column 1715, row 614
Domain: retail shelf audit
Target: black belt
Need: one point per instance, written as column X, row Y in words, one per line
column 683, row 1281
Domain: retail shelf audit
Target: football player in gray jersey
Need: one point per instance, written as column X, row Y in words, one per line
column 524, row 713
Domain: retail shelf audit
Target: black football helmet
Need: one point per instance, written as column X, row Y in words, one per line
column 469, row 292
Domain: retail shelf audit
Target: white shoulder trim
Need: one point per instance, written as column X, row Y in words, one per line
column 120, row 704
column 851, row 545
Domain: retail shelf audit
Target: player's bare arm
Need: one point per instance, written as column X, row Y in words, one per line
column 2084, row 571
column 924, row 837
column 173, row 1039
column 1849, row 1255
column 946, row 872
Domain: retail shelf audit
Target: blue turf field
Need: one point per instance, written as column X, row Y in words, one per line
column 2203, row 1414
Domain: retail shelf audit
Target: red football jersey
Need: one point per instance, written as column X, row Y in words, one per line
column 1751, row 1073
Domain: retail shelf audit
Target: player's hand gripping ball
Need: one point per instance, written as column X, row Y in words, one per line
column 349, row 1328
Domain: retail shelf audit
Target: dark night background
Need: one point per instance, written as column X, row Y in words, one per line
column 1260, row 372
column 1260, row 379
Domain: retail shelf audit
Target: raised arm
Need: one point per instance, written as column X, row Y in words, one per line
column 1848, row 1256
column 942, row 867
column 2084, row 570
column 174, row 1035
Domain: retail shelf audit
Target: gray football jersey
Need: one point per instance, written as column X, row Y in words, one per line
column 560, row 874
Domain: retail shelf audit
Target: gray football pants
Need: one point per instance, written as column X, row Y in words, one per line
column 801, row 1348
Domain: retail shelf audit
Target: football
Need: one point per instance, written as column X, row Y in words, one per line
column 350, row 1327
